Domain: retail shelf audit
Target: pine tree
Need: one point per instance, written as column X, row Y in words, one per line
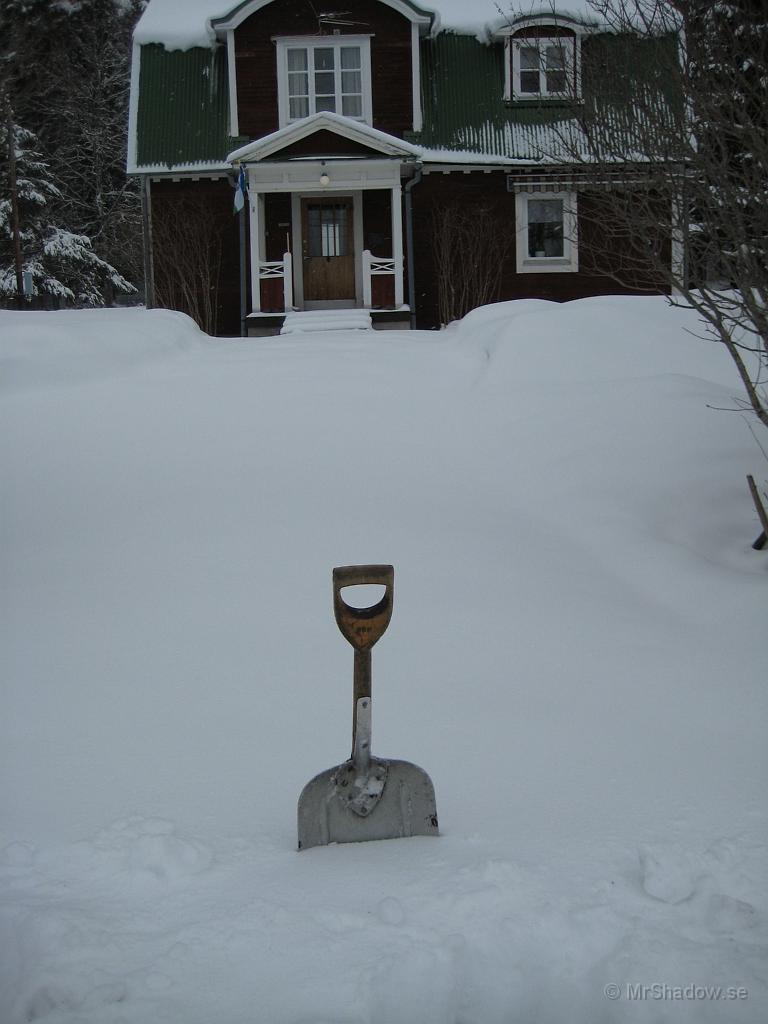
column 57, row 265
column 66, row 66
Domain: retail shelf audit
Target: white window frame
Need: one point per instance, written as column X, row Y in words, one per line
column 568, row 263
column 285, row 43
column 514, row 44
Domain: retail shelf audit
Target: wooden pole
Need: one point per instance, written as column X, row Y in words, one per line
column 763, row 515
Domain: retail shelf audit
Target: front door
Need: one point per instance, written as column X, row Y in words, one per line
column 328, row 254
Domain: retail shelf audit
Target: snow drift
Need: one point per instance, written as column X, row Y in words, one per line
column 576, row 656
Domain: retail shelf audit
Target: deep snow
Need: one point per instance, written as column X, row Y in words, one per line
column 577, row 657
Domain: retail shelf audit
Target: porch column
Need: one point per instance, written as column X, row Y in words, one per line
column 397, row 243
column 256, row 207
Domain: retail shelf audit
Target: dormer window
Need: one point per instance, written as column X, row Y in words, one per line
column 324, row 73
column 542, row 57
column 543, row 67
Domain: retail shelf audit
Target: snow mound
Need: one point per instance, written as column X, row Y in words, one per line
column 49, row 349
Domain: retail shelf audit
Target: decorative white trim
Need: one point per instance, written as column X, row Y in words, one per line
column 179, row 171
column 418, row 121
column 357, row 238
column 287, row 281
column 245, row 10
column 397, row 241
column 507, row 68
column 554, row 18
column 577, row 68
column 377, row 266
column 346, row 127
column 256, row 202
column 568, row 263
column 367, row 295
column 297, row 230
column 133, row 111
column 234, row 129
column 304, row 175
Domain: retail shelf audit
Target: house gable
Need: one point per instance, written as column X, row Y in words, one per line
column 324, row 143
column 387, row 32
column 324, row 135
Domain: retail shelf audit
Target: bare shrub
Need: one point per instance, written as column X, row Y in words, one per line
column 470, row 244
column 188, row 239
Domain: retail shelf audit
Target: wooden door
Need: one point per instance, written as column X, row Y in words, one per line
column 328, row 249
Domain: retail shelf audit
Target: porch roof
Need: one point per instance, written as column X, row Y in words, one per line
column 378, row 142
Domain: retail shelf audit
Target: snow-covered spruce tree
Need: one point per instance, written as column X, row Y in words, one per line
column 57, row 265
column 67, row 65
column 696, row 143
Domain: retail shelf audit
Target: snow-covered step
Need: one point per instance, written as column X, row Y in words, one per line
column 311, row 320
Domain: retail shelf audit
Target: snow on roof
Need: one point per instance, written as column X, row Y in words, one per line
column 162, row 22
column 484, row 16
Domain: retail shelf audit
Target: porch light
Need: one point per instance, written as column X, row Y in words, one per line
column 325, row 179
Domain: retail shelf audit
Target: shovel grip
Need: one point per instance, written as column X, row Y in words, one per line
column 362, row 627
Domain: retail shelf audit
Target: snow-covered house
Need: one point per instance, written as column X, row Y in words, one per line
column 390, row 162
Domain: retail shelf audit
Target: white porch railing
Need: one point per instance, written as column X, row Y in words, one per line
column 270, row 270
column 378, row 266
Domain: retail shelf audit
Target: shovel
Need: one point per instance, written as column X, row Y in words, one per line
column 366, row 797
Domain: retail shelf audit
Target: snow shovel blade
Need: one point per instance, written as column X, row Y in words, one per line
column 406, row 806
column 366, row 797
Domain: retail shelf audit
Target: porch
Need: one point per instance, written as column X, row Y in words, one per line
column 324, row 221
column 325, row 234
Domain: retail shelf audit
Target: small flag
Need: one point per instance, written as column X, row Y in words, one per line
column 240, row 191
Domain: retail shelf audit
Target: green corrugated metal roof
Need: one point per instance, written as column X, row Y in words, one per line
column 183, row 110
column 464, row 106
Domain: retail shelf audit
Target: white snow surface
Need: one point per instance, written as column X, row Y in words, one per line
column 576, row 656
column 161, row 21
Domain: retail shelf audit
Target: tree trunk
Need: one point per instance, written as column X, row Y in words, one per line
column 15, row 229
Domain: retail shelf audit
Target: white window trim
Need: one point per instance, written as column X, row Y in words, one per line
column 568, row 263
column 284, row 43
column 512, row 45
